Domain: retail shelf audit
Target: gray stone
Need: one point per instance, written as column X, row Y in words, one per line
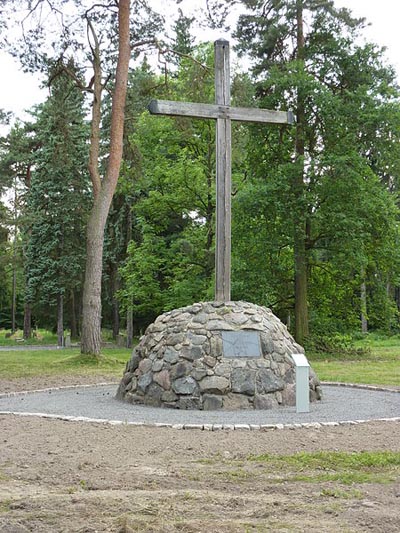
column 265, row 401
column 239, row 318
column 133, row 362
column 197, row 339
column 267, row 381
column 219, row 325
column 289, row 395
column 239, row 363
column 243, row 381
column 157, row 365
column 191, row 352
column 267, row 344
column 216, row 346
column 214, row 384
column 169, row 396
column 126, row 378
column 144, row 381
column 223, row 369
column 196, row 326
column 198, row 373
column 290, row 376
column 256, row 326
column 185, row 385
column 210, row 361
column 263, row 363
column 234, row 402
column 153, row 356
column 153, row 395
column 201, row 318
column 184, row 317
column 163, row 379
column 145, row 366
column 211, row 402
column 183, row 368
column 189, row 403
column 155, row 328
column 174, row 339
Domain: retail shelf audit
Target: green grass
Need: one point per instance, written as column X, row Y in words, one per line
column 363, row 372
column 342, row 467
column 379, row 365
column 39, row 336
column 27, row 363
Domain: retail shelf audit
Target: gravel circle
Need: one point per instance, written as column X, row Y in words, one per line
column 97, row 403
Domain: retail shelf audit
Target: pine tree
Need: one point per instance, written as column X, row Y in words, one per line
column 316, row 69
column 58, row 199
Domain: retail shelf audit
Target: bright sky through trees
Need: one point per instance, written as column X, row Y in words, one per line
column 20, row 91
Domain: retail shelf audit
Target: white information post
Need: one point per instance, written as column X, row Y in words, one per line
column 302, row 386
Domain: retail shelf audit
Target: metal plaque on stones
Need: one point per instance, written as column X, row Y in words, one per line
column 237, row 344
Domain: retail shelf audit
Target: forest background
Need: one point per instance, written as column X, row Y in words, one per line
column 315, row 206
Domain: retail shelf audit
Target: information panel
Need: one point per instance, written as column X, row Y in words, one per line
column 241, row 344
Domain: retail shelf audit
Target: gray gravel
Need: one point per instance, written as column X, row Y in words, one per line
column 339, row 404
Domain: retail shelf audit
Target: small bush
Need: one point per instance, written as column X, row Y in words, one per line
column 336, row 344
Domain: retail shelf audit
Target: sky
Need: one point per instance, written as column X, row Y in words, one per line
column 19, row 91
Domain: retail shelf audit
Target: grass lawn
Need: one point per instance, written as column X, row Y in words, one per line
column 19, row 363
column 378, row 364
column 40, row 336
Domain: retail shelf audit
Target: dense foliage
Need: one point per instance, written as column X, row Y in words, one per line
column 315, row 207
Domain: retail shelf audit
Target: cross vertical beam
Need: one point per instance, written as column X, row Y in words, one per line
column 223, row 113
column 223, row 175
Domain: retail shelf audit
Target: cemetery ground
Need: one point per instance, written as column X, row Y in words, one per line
column 58, row 476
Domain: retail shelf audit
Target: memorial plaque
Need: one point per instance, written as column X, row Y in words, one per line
column 241, row 344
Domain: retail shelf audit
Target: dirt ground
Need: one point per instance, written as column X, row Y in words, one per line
column 58, row 476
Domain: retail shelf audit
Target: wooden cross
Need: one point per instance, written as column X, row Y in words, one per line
column 223, row 113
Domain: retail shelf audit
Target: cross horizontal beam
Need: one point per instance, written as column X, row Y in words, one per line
column 215, row 111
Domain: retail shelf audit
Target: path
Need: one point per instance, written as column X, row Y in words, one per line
column 340, row 405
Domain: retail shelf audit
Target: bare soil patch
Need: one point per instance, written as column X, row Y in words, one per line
column 58, row 476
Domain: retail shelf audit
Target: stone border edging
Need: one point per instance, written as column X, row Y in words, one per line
column 359, row 386
column 203, row 427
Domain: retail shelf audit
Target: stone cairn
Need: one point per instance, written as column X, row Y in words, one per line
column 180, row 361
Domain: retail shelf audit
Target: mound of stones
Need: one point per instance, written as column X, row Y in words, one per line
column 214, row 355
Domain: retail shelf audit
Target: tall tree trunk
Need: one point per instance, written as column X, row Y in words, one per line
column 129, row 313
column 363, row 302
column 14, row 276
column 14, row 295
column 397, row 297
column 103, row 194
column 364, row 320
column 27, row 321
column 60, row 320
column 300, row 251
column 73, row 323
column 129, row 328
column 115, row 303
